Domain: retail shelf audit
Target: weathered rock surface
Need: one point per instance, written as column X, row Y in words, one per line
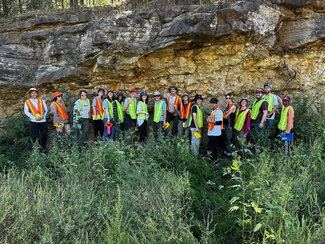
column 235, row 46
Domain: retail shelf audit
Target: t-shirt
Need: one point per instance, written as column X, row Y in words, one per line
column 139, row 109
column 164, row 107
column 230, row 121
column 85, row 109
column 216, row 131
column 171, row 103
column 275, row 103
column 264, row 106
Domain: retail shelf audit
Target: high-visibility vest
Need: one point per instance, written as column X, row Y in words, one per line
column 256, row 108
column 61, row 110
column 99, row 108
column 144, row 108
column 39, row 111
column 199, row 116
column 158, row 110
column 133, row 108
column 284, row 118
column 240, row 119
column 270, row 102
column 185, row 113
column 228, row 107
column 80, row 104
column 110, row 107
column 120, row 110
column 213, row 114
column 176, row 102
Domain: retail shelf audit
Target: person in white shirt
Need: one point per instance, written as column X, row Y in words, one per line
column 172, row 102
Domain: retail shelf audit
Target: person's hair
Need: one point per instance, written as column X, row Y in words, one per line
column 81, row 91
column 117, row 96
column 244, row 99
column 231, row 96
column 141, row 100
column 100, row 89
column 188, row 98
column 171, row 87
column 54, row 99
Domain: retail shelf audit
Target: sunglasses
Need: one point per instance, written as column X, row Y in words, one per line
column 84, row 95
column 228, row 97
column 59, row 96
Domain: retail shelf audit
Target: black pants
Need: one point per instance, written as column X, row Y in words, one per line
column 129, row 122
column 39, row 131
column 143, row 131
column 213, row 145
column 171, row 118
column 99, row 128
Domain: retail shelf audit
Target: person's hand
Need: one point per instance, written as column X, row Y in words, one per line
column 197, row 129
column 39, row 118
column 261, row 125
column 164, row 124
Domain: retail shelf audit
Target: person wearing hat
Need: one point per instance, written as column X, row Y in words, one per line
column 259, row 112
column 60, row 115
column 183, row 110
column 118, row 112
column 286, row 119
column 242, row 125
column 143, row 115
column 173, row 100
column 195, row 122
column 35, row 109
column 108, row 115
column 159, row 117
column 215, row 121
column 98, row 113
column 229, row 121
column 273, row 104
column 130, row 108
column 81, row 116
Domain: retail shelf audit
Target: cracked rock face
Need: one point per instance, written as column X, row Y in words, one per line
column 231, row 47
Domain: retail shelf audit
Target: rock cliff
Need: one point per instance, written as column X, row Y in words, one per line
column 229, row 47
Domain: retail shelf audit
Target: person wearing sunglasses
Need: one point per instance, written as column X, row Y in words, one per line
column 98, row 113
column 60, row 115
column 273, row 104
column 229, row 115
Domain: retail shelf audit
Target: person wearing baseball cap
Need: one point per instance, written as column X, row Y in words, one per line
column 273, row 104
column 229, row 122
column 183, row 110
column 36, row 110
column 60, row 115
column 159, row 117
column 143, row 115
column 287, row 115
column 195, row 122
column 259, row 112
column 215, row 124
column 173, row 100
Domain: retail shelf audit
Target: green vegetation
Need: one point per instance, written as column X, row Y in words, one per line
column 120, row 193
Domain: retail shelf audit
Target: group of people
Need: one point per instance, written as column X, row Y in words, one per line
column 173, row 113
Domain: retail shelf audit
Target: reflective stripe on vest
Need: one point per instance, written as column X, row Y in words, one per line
column 185, row 113
column 61, row 110
column 39, row 111
column 270, row 101
column 176, row 102
column 120, row 110
column 284, row 118
column 133, row 109
column 99, row 108
column 240, row 119
column 256, row 108
column 199, row 117
column 158, row 111
column 144, row 108
column 110, row 108
column 211, row 126
column 80, row 104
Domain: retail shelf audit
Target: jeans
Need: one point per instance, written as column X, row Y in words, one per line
column 39, row 131
column 195, row 143
column 112, row 135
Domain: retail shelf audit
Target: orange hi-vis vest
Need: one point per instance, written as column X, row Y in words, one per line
column 37, row 112
column 228, row 107
column 99, row 108
column 176, row 102
column 61, row 110
column 213, row 114
column 185, row 113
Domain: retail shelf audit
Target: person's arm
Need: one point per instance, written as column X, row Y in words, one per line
column 265, row 113
column 290, row 121
column 194, row 120
column 93, row 107
column 54, row 111
column 126, row 104
column 164, row 113
column 45, row 109
column 276, row 106
column 27, row 113
column 231, row 110
column 218, row 119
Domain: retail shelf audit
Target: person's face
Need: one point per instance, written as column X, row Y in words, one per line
column 120, row 97
column 213, row 105
column 199, row 101
column 83, row 95
column 286, row 103
column 267, row 89
column 185, row 98
column 59, row 98
column 228, row 99
column 173, row 91
column 258, row 95
column 100, row 93
column 110, row 94
column 144, row 97
column 34, row 94
column 133, row 94
column 157, row 98
column 243, row 103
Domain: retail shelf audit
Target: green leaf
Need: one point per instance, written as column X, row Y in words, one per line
column 257, row 227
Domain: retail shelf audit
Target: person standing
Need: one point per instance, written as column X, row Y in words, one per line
column 60, row 115
column 286, row 119
column 130, row 119
column 259, row 112
column 159, row 117
column 118, row 112
column 173, row 100
column 81, row 116
column 143, row 115
column 109, row 125
column 273, row 104
column 98, row 113
column 35, row 109
column 215, row 121
column 183, row 111
column 195, row 123
column 229, row 122
column 242, row 125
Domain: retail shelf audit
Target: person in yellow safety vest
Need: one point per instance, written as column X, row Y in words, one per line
column 108, row 115
column 98, row 113
column 130, row 108
column 287, row 115
column 215, row 121
column 143, row 115
column 273, row 104
column 183, row 110
column 159, row 117
column 118, row 112
column 229, row 121
column 195, row 122
column 173, row 100
column 35, row 109
column 60, row 115
column 259, row 112
column 81, row 116
column 242, row 125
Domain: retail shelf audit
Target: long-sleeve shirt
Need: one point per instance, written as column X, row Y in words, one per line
column 247, row 123
column 290, row 120
column 54, row 111
column 32, row 117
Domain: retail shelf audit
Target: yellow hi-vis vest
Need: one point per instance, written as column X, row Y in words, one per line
column 144, row 108
column 158, row 111
column 133, row 108
column 240, row 119
column 80, row 104
column 256, row 108
column 110, row 108
column 270, row 102
column 199, row 117
column 284, row 118
column 120, row 110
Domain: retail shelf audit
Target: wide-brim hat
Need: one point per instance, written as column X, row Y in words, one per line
column 56, row 94
column 185, row 94
column 244, row 98
column 30, row 90
column 198, row 96
column 175, row 87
